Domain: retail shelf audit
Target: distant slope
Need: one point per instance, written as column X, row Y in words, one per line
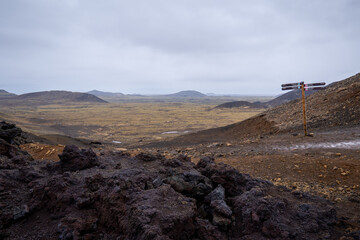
column 284, row 98
column 4, row 93
column 51, row 97
column 337, row 105
column 287, row 97
column 242, row 104
column 105, row 94
column 186, row 94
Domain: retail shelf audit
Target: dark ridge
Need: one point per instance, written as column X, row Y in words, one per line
column 242, row 104
column 4, row 93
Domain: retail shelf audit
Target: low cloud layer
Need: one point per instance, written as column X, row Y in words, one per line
column 243, row 47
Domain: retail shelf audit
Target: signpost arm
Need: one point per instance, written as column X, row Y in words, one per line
column 310, row 86
column 303, row 105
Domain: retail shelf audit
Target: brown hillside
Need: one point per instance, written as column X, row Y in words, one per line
column 337, row 105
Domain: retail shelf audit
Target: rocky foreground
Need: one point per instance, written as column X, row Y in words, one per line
column 111, row 195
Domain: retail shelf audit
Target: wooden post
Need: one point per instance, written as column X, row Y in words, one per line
column 303, row 105
column 291, row 86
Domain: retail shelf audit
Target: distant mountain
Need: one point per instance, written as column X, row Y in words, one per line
column 105, row 94
column 187, row 94
column 51, row 97
column 135, row 95
column 4, row 93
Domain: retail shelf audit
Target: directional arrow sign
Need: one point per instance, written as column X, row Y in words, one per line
column 289, row 88
column 292, row 84
column 304, row 87
column 314, row 84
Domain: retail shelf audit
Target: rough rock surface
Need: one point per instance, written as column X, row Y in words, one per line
column 151, row 200
column 14, row 135
column 115, row 196
column 9, row 132
column 73, row 159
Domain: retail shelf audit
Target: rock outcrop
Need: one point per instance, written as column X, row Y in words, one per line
column 116, row 196
column 8, row 132
column 74, row 159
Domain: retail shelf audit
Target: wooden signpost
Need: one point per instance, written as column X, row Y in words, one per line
column 304, row 87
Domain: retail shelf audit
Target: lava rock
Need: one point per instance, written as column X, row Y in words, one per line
column 73, row 159
column 217, row 194
column 146, row 157
column 221, row 208
column 208, row 231
column 20, row 212
column 172, row 163
column 233, row 181
column 150, row 200
column 13, row 153
column 191, row 184
column 8, row 132
column 7, row 150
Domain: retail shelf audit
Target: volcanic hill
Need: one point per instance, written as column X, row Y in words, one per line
column 105, row 94
column 50, row 97
column 186, row 94
column 4, row 93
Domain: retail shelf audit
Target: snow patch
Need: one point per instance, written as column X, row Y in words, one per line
column 175, row 132
column 355, row 144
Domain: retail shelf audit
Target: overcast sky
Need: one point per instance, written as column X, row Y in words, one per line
column 164, row 46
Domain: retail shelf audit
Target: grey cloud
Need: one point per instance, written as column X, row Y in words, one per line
column 166, row 46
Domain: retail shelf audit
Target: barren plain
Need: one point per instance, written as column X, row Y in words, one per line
column 127, row 122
